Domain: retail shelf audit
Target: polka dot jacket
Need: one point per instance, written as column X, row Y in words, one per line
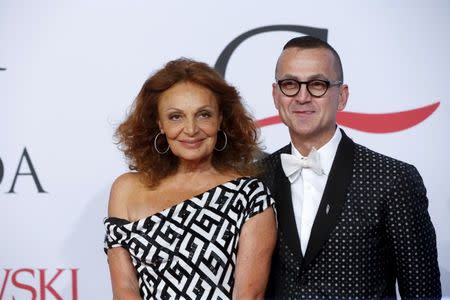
column 372, row 230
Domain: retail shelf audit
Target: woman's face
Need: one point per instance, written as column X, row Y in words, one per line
column 189, row 116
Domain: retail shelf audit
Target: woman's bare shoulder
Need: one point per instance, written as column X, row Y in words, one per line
column 122, row 190
column 127, row 179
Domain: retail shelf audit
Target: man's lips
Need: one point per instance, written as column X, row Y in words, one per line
column 374, row 123
column 303, row 112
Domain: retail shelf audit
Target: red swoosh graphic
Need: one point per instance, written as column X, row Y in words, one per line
column 374, row 123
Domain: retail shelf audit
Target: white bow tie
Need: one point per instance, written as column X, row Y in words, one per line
column 293, row 165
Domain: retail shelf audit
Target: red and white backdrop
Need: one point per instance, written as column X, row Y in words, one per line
column 69, row 71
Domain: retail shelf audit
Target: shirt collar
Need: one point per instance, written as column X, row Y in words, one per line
column 327, row 152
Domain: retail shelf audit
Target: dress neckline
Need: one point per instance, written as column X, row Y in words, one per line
column 168, row 209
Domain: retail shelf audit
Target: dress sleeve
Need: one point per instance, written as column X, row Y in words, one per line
column 116, row 233
column 259, row 198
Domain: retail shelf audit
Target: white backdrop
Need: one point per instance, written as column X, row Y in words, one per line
column 69, row 71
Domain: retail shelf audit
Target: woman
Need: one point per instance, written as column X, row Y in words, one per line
column 190, row 222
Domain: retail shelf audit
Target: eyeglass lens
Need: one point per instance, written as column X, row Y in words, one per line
column 291, row 87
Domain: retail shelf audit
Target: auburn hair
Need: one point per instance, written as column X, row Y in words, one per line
column 136, row 135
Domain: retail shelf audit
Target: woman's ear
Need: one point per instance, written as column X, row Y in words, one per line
column 160, row 127
column 220, row 121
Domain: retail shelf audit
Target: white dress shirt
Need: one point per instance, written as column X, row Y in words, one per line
column 307, row 189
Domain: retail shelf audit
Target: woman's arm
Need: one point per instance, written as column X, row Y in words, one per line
column 256, row 244
column 123, row 275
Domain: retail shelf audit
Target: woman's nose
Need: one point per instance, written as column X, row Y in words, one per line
column 190, row 127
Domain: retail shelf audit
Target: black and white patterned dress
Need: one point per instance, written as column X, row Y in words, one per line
column 188, row 251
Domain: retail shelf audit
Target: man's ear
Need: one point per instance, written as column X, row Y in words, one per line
column 343, row 97
column 274, row 94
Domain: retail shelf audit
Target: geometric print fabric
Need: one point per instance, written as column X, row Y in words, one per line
column 188, row 251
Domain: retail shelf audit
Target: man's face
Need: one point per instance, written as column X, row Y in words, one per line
column 309, row 119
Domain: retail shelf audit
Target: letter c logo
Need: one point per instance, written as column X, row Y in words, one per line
column 224, row 57
column 1, row 170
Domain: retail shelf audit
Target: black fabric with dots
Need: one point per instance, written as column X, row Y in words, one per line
column 378, row 231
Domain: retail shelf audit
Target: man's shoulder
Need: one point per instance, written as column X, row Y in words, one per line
column 271, row 165
column 274, row 157
column 367, row 157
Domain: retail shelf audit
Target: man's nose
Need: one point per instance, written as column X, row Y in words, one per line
column 303, row 95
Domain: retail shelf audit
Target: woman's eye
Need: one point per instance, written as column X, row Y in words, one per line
column 174, row 117
column 205, row 115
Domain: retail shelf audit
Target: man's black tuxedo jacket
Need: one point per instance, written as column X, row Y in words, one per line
column 372, row 228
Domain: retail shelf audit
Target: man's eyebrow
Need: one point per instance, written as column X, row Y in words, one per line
column 311, row 77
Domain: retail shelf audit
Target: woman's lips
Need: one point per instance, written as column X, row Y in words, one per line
column 191, row 143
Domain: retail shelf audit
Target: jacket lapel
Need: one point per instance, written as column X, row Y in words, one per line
column 333, row 198
column 282, row 194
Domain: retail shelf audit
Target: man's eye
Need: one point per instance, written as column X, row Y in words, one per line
column 289, row 84
column 317, row 85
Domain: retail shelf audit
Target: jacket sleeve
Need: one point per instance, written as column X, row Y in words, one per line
column 412, row 237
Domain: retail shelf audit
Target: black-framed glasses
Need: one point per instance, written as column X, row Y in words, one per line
column 315, row 87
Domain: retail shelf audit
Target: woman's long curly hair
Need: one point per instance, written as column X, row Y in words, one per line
column 136, row 135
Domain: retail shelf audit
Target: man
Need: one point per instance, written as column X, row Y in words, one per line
column 351, row 222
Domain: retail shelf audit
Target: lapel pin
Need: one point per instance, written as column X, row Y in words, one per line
column 327, row 209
